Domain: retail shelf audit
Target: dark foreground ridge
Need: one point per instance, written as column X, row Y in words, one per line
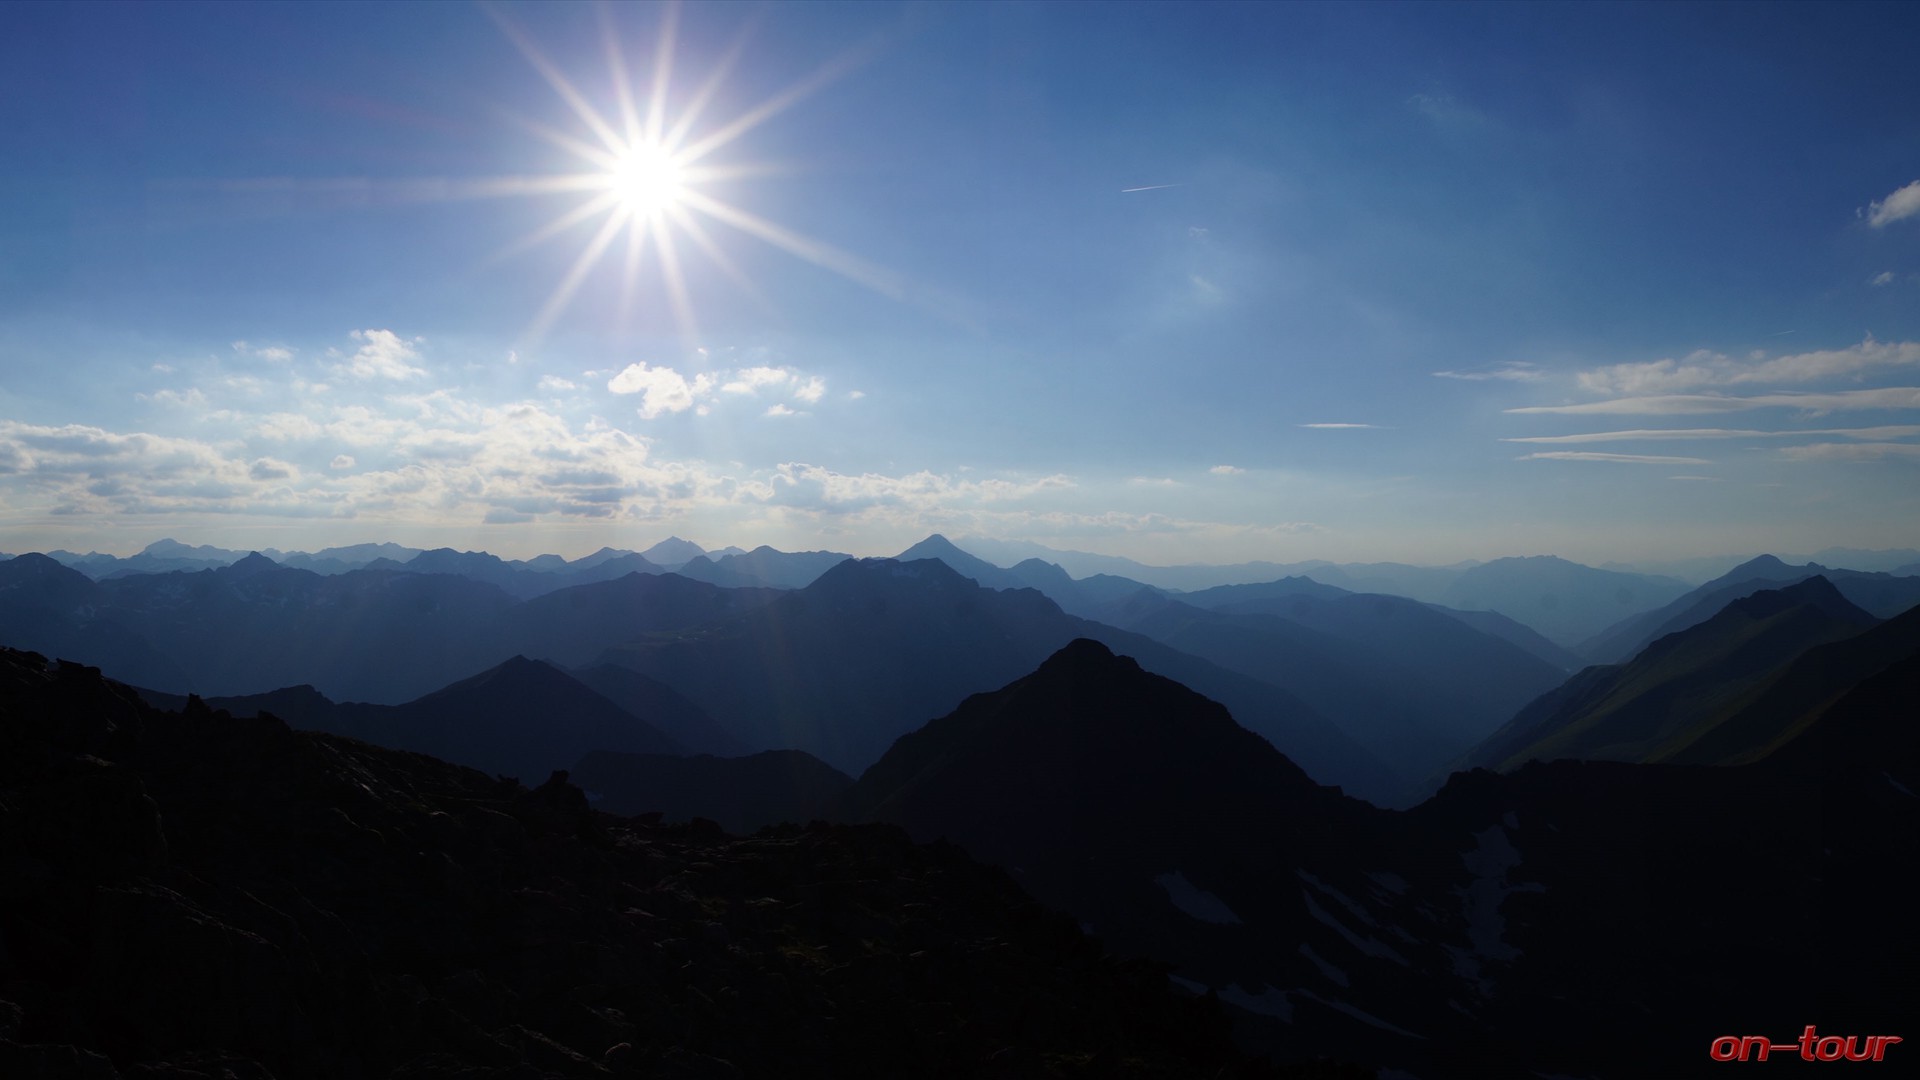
column 193, row 895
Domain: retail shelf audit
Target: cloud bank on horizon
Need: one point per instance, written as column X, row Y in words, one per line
column 880, row 278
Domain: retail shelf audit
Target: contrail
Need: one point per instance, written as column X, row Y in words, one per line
column 1783, row 333
column 1149, row 187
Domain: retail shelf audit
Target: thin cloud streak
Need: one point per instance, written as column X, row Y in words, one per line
column 1514, row 371
column 1890, row 431
column 1623, row 459
column 1892, row 397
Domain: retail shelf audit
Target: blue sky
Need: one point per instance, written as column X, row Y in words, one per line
column 1183, row 282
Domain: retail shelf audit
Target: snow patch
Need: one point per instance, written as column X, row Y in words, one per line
column 1195, row 901
column 1199, row 989
column 1366, row 946
column 1268, row 1002
column 1360, row 1015
column 1490, row 862
column 1391, row 882
column 1346, row 901
column 1331, row 972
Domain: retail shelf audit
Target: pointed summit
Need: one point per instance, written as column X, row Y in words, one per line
column 254, row 564
column 981, row 571
column 673, row 551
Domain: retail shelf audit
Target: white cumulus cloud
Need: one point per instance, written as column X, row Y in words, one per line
column 1903, row 203
column 383, row 354
column 662, row 389
column 749, row 380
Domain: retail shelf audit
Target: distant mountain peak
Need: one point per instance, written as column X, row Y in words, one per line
column 1087, row 656
column 253, row 563
column 1816, row 592
column 933, row 547
column 854, row 572
column 673, row 550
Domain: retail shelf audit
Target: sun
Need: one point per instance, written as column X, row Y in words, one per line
column 651, row 174
column 646, row 180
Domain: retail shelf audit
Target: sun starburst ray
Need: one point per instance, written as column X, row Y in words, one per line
column 662, row 72
column 637, row 236
column 813, row 251
column 676, row 284
column 705, row 94
column 563, row 294
column 617, row 66
column 581, row 149
column 558, row 80
column 777, row 104
column 711, row 248
column 598, row 204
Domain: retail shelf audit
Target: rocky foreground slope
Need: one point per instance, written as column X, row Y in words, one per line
column 194, row 895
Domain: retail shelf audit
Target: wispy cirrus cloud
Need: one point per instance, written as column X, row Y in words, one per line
column 1886, row 431
column 1448, row 112
column 1341, row 427
column 1705, row 368
column 1879, row 451
column 1622, row 459
column 279, row 354
column 1509, row 371
column 1903, row 203
column 1891, row 397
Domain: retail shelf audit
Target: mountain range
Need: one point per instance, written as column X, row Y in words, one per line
column 1710, row 836
column 194, row 895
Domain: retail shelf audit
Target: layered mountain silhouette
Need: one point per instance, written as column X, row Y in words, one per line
column 380, row 635
column 1565, row 601
column 195, row 895
column 1884, row 595
column 763, row 567
column 523, row 718
column 1681, row 689
column 876, row 647
column 1478, row 934
column 1412, row 685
